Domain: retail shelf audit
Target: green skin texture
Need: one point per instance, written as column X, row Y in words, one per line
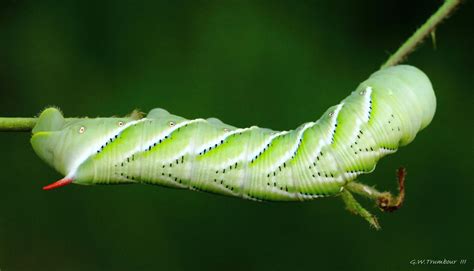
column 316, row 159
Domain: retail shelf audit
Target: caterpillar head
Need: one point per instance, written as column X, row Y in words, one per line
column 66, row 143
column 409, row 90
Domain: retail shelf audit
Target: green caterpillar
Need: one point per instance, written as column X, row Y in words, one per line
column 316, row 159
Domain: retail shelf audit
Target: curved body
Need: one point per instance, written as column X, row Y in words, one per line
column 316, row 159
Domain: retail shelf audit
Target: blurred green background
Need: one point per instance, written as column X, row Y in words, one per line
column 269, row 63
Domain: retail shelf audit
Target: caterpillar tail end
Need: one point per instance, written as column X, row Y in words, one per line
column 60, row 183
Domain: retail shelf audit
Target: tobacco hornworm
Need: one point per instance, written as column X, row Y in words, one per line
column 316, row 159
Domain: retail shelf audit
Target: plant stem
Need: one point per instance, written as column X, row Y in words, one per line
column 424, row 31
column 354, row 207
column 27, row 124
column 17, row 124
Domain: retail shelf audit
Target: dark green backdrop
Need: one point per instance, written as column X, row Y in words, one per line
column 269, row 63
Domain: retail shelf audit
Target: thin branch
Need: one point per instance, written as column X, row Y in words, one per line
column 424, row 31
column 385, row 200
column 17, row 124
column 27, row 124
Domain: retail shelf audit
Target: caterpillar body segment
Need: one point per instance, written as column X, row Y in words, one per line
column 316, row 159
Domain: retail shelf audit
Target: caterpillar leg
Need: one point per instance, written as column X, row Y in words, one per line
column 385, row 200
column 354, row 207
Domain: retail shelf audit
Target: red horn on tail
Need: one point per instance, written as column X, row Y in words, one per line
column 62, row 182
